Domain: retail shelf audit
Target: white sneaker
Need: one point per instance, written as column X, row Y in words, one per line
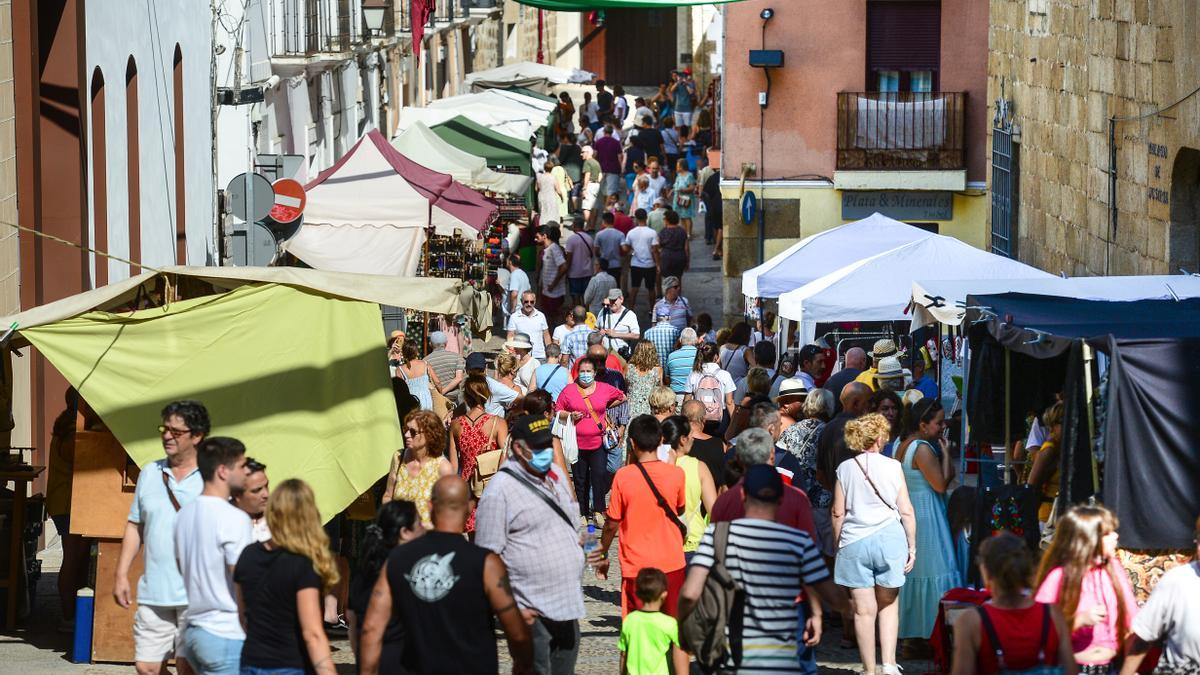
column 890, row 669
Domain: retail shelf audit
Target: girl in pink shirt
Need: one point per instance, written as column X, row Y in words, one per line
column 1080, row 573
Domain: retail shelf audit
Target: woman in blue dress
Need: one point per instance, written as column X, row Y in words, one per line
column 684, row 195
column 928, row 471
column 417, row 374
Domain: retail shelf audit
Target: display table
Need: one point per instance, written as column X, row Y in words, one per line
column 20, row 477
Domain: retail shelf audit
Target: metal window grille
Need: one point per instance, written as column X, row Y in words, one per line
column 1004, row 191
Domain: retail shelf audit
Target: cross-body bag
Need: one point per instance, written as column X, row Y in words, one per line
column 550, row 502
column 608, row 323
column 662, row 503
column 170, row 493
column 872, row 483
column 609, row 438
column 542, row 385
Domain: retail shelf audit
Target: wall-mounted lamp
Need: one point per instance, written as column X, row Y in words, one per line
column 767, row 13
column 373, row 15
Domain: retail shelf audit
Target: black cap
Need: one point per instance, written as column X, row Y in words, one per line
column 764, row 483
column 534, row 430
column 476, row 361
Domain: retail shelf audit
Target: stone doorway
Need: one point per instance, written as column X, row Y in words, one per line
column 1184, row 245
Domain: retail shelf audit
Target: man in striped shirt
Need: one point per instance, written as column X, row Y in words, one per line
column 775, row 565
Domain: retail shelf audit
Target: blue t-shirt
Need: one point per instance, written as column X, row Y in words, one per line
column 608, row 246
column 161, row 584
column 926, row 386
column 679, row 367
column 551, row 381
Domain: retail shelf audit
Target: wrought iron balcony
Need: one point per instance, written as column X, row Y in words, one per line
column 901, row 131
column 314, row 27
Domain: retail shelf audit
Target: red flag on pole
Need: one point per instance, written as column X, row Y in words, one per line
column 420, row 11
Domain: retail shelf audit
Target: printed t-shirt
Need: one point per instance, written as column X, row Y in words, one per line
column 641, row 241
column 647, row 537
column 270, row 580
column 587, row 433
column 646, row 639
column 210, row 535
column 1096, row 589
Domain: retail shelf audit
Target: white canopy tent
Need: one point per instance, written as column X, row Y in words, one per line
column 517, row 106
column 944, row 301
column 421, row 145
column 501, row 120
column 817, row 255
column 879, row 288
column 536, row 76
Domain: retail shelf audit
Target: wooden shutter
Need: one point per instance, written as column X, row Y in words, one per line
column 903, row 35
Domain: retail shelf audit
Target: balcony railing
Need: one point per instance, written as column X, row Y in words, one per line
column 311, row 27
column 901, row 131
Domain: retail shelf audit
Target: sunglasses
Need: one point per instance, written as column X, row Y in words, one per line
column 409, row 431
column 175, row 433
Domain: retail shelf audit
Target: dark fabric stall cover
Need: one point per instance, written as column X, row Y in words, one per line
column 1152, row 440
column 1034, row 382
column 1003, row 508
column 1065, row 318
column 1077, row 481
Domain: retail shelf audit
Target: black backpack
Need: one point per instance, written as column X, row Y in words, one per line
column 721, row 606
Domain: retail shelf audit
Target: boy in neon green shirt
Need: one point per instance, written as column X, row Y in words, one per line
column 648, row 636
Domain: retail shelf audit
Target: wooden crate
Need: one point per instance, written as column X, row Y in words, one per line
column 112, row 627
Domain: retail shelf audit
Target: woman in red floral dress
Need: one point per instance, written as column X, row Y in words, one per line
column 475, row 432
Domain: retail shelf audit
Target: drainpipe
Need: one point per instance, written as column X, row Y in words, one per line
column 1112, row 190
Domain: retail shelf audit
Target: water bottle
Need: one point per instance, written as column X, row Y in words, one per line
column 590, row 543
column 85, row 605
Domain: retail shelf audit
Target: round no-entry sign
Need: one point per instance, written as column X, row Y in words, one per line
column 289, row 200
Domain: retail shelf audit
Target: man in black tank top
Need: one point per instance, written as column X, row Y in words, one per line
column 443, row 591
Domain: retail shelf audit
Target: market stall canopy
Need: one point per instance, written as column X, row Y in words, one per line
column 517, row 106
column 368, row 212
column 294, row 373
column 427, row 148
column 1146, row 428
column 440, row 296
column 824, row 252
column 537, row 76
column 879, row 288
column 498, row 149
column 499, row 120
column 944, row 301
column 586, row 5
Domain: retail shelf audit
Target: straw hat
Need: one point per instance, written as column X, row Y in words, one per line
column 883, row 348
column 519, row 341
column 889, row 367
column 793, row 387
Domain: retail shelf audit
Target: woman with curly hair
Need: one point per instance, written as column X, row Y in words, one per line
column 415, row 469
column 643, row 373
column 1081, row 574
column 396, row 523
column 507, row 367
column 875, row 534
column 279, row 586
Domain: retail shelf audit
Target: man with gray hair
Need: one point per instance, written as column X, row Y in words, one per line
column 680, row 362
column 765, row 415
column 449, row 366
column 756, row 446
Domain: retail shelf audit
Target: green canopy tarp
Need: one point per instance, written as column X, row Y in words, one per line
column 548, row 135
column 499, row 150
column 296, row 375
column 586, row 5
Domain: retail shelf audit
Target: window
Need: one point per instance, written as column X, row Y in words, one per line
column 1006, row 162
column 180, row 191
column 903, row 45
column 133, row 167
column 99, row 179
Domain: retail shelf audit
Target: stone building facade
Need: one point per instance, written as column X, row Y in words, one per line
column 1084, row 86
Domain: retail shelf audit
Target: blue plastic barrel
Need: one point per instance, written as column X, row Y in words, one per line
column 85, row 611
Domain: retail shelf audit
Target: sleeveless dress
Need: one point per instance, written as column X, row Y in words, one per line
column 638, row 388
column 419, row 387
column 473, row 440
column 417, row 489
column 696, row 523
column 934, row 571
column 685, row 181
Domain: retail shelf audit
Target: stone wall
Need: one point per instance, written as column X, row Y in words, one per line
column 1068, row 66
column 9, row 265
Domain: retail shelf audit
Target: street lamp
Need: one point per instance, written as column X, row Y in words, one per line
column 373, row 15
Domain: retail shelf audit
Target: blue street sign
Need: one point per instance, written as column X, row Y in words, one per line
column 749, row 207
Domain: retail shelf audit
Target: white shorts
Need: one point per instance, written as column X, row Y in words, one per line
column 683, row 119
column 590, row 195
column 156, row 632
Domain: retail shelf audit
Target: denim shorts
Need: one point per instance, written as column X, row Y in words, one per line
column 212, row 654
column 875, row 560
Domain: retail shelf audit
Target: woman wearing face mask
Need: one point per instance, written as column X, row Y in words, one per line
column 588, row 401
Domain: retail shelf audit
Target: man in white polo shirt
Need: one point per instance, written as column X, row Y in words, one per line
column 530, row 321
column 617, row 324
